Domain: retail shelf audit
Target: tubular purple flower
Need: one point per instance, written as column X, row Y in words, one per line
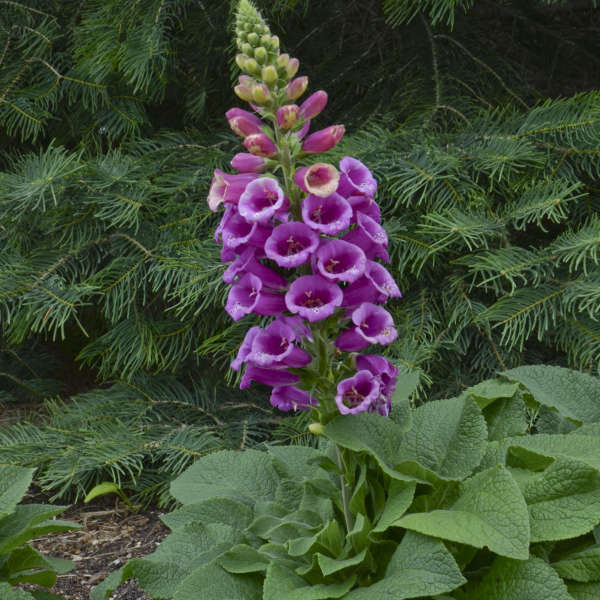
column 288, row 398
column 246, row 262
column 313, row 297
column 273, row 347
column 245, row 348
column 313, row 105
column 248, row 295
column 287, row 116
column 227, row 188
column 298, row 325
column 370, row 236
column 366, row 205
column 356, row 394
column 249, row 163
column 243, row 127
column 261, row 199
column 291, row 244
column 260, row 144
column 329, row 215
column 271, row 377
column 237, row 234
column 356, row 178
column 234, row 113
column 386, row 373
column 340, row 261
column 376, row 285
column 296, row 87
column 320, row 179
column 323, row 140
column 373, row 325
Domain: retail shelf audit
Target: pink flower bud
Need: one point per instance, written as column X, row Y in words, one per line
column 243, row 92
column 313, row 105
column 323, row 140
column 292, row 67
column 260, row 144
column 232, row 113
column 283, row 60
column 296, row 87
column 260, row 93
column 249, row 163
column 287, row 116
column 243, row 126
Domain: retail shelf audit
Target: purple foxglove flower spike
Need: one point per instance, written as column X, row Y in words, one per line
column 260, row 144
column 271, row 377
column 296, row 87
column 320, row 179
column 356, row 178
column 313, row 297
column 291, row 244
column 246, row 262
column 250, row 163
column 323, row 140
column 287, row 116
column 248, row 295
column 366, row 205
column 245, row 348
column 356, row 394
column 377, row 285
column 313, row 105
column 340, row 261
column 288, row 398
column 273, row 347
column 370, row 236
column 373, row 325
column 227, row 188
column 329, row 215
column 261, row 199
column 237, row 234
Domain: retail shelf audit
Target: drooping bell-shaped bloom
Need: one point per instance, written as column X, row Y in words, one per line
column 227, row 188
column 261, row 199
column 274, row 347
column 247, row 262
column 243, row 123
column 291, row 244
column 365, row 205
column 260, row 144
column 245, row 348
column 287, row 116
column 298, row 325
column 356, row 178
column 373, row 325
column 323, row 140
column 329, row 215
column 356, row 394
column 288, row 398
column 296, row 87
column 376, row 285
column 320, row 179
column 370, row 236
column 237, row 233
column 250, row 163
column 386, row 373
column 271, row 377
column 313, row 297
column 313, row 105
column 249, row 295
column 337, row 260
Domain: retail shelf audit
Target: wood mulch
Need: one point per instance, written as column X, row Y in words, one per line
column 110, row 536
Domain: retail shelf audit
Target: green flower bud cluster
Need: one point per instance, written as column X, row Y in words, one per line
column 260, row 57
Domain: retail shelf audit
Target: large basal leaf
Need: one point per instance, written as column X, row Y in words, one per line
column 506, row 418
column 583, row 565
column 584, row 591
column 488, row 391
column 298, row 463
column 573, row 393
column 421, row 566
column 14, row 482
column 7, row 592
column 211, row 582
column 282, row 583
column 247, row 476
column 400, row 497
column 27, row 565
column 532, row 579
column 490, row 512
column 212, row 510
column 244, row 559
column 564, row 501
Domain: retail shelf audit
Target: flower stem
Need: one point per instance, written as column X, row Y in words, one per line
column 348, row 516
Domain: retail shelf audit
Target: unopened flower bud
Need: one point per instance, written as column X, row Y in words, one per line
column 260, row 93
column 260, row 144
column 246, row 48
column 265, row 40
column 316, row 428
column 260, row 54
column 283, row 60
column 313, row 105
column 253, row 38
column 251, row 66
column 250, row 163
column 274, row 41
column 296, row 87
column 243, row 92
column 323, row 140
column 287, row 116
column 240, row 60
column 292, row 67
column 269, row 74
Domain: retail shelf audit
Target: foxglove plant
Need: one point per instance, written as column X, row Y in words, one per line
column 302, row 238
